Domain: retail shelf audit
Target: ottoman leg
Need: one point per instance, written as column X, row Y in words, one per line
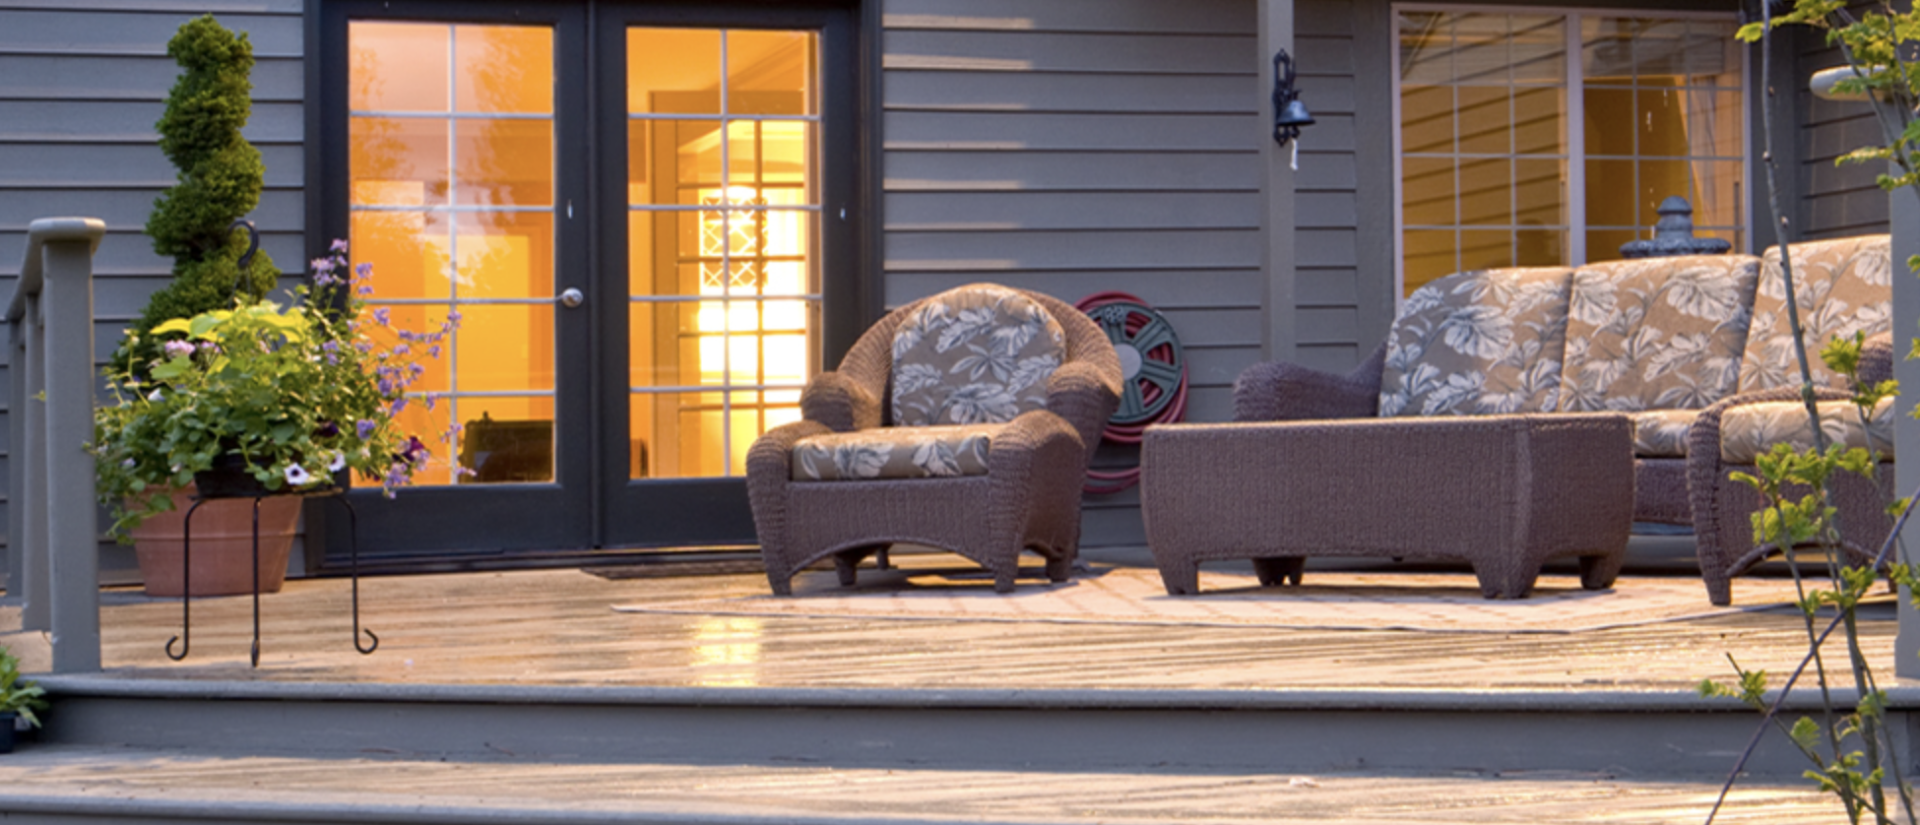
column 1274, row 572
column 1181, row 576
column 1599, row 572
column 1501, row 582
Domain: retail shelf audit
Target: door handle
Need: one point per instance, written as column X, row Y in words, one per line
column 572, row 297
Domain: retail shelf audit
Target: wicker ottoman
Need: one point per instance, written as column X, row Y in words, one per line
column 1503, row 492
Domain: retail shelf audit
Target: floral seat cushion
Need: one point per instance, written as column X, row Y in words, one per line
column 1656, row 334
column 1750, row 430
column 894, row 452
column 1489, row 341
column 1661, row 433
column 1842, row 287
column 976, row 354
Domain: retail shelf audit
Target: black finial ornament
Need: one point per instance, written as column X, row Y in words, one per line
column 1673, row 235
column 1289, row 114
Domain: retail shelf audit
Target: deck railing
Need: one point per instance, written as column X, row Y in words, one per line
column 53, row 535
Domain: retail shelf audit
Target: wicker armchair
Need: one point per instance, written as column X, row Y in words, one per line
column 873, row 462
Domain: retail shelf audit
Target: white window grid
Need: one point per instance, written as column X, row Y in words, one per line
column 1574, row 139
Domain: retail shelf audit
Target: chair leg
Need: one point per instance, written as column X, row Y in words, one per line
column 1059, row 568
column 1274, row 572
column 1599, row 572
column 780, row 580
column 847, row 564
column 1505, row 583
column 1182, row 577
column 1719, row 589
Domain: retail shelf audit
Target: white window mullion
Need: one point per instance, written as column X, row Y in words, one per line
column 1576, row 125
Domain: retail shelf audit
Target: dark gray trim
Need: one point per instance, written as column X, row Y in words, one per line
column 1374, row 63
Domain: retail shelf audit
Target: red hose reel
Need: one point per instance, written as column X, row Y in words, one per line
column 1154, row 376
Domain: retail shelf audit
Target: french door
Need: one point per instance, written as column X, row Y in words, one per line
column 632, row 209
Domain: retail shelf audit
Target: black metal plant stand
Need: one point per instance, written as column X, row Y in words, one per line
column 185, row 639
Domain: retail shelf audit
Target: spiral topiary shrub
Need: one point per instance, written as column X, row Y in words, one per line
column 220, row 176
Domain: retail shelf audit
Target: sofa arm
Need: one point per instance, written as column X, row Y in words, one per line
column 1876, row 359
column 839, row 402
column 1279, row 391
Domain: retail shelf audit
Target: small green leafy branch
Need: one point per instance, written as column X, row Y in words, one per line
column 1852, row 753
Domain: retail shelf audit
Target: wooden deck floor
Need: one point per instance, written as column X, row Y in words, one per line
column 557, row 627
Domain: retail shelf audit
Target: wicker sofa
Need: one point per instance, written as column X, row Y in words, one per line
column 962, row 421
column 1694, row 350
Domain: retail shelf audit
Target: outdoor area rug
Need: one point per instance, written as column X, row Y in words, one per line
column 1449, row 603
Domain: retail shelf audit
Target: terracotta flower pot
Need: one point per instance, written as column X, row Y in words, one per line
column 222, row 545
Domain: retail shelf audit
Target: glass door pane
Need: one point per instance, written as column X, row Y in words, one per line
column 451, row 198
column 723, row 238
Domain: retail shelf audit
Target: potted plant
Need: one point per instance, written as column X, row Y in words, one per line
column 262, row 399
column 220, row 176
column 19, row 699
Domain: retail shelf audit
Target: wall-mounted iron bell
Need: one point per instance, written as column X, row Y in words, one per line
column 1289, row 114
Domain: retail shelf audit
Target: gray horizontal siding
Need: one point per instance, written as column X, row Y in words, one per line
column 1081, row 146
column 1835, row 201
column 81, row 86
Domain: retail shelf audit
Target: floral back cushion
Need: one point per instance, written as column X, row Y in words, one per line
column 973, row 355
column 1657, row 333
column 1841, row 287
column 1489, row 341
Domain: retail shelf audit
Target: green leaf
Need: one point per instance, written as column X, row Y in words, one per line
column 1805, row 733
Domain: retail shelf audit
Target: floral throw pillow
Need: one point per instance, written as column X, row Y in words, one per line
column 973, row 355
column 1656, row 333
column 1489, row 341
column 1842, row 287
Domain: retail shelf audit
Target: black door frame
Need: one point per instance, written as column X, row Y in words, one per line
column 668, row 512
column 579, row 517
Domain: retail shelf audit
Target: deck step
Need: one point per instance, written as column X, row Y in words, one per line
column 52, row 783
column 1484, row 731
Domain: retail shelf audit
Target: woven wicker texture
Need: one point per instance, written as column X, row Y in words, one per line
column 1029, row 498
column 1504, row 493
column 1722, row 508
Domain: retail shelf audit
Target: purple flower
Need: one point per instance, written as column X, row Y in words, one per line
column 327, row 430
column 398, row 405
column 381, row 316
column 400, row 349
column 434, row 350
column 339, row 245
column 321, row 266
column 364, row 428
column 178, row 349
column 364, row 270
column 365, row 291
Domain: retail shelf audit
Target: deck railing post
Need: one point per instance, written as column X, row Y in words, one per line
column 52, row 312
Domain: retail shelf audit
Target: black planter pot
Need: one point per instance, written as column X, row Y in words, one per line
column 6, row 731
column 229, row 478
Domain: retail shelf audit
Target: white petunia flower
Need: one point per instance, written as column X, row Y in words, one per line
column 298, row 475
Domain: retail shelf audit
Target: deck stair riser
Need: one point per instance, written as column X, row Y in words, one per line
column 1298, row 731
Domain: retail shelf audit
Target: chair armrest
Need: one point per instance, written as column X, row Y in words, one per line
column 840, row 403
column 1085, row 396
column 1279, row 391
column 1876, row 359
column 770, row 459
column 1037, row 443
